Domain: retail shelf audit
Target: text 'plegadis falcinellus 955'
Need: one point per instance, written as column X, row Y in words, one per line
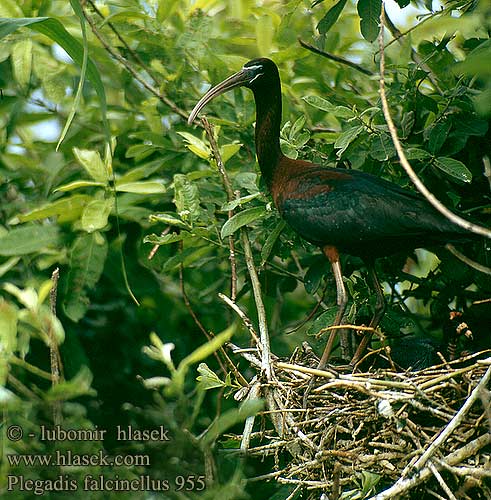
column 336, row 209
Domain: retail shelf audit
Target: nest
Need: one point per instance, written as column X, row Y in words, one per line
column 382, row 434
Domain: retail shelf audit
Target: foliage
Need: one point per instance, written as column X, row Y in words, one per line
column 129, row 173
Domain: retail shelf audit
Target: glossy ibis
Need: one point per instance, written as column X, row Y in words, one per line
column 336, row 209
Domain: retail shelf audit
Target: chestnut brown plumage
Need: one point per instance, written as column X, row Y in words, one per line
column 336, row 209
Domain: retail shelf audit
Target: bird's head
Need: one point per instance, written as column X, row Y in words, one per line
column 253, row 75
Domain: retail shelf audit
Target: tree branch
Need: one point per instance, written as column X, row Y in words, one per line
column 335, row 58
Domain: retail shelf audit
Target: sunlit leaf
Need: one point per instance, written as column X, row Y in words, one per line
column 141, row 187
column 95, row 214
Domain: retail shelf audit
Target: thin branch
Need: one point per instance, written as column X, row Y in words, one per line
column 441, row 482
column 230, row 196
column 402, row 157
column 471, row 263
column 249, row 423
column 335, row 58
column 54, row 352
column 261, row 313
column 242, row 315
column 487, row 170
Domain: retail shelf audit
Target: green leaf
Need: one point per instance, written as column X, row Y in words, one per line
column 208, row 379
column 186, row 198
column 437, row 136
column 330, row 18
column 319, row 103
column 22, row 61
column 369, row 12
column 455, row 168
column 154, row 239
column 93, row 164
column 241, row 219
column 228, row 151
column 297, row 127
column 342, row 112
column 141, row 187
column 67, row 209
column 322, row 321
column 271, row 240
column 417, row 154
column 87, row 259
column 79, row 184
column 197, row 146
column 170, row 220
column 80, row 385
column 382, row 147
column 346, row 138
column 28, row 239
column 231, row 205
column 201, row 353
column 95, row 214
column 8, row 336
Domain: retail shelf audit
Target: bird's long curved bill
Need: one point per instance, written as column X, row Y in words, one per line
column 236, row 80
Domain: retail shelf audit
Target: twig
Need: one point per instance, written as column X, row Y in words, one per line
column 261, row 313
column 441, row 481
column 402, row 157
column 466, row 260
column 306, row 370
column 335, row 58
column 249, row 423
column 54, row 352
column 155, row 248
column 487, row 170
column 230, row 196
column 242, row 315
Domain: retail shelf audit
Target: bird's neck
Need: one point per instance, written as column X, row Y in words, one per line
column 268, row 120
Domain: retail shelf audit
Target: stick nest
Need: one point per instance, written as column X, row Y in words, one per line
column 382, row 433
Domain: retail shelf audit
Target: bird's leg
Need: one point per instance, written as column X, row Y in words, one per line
column 342, row 299
column 377, row 316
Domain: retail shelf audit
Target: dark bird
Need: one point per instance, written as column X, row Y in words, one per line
column 339, row 210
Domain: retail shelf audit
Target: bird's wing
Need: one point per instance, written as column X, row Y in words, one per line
column 352, row 209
